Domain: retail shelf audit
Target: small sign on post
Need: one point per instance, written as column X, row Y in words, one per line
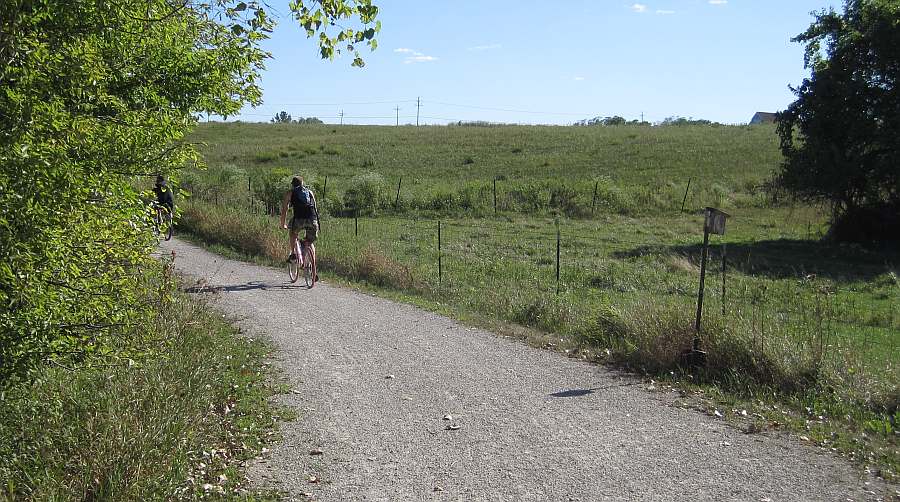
column 713, row 223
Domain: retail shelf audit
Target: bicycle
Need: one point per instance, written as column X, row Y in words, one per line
column 306, row 261
column 162, row 216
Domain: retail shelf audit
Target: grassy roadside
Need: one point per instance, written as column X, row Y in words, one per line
column 793, row 378
column 176, row 420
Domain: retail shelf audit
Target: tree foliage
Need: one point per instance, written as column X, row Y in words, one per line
column 841, row 137
column 94, row 98
column 282, row 117
column 613, row 121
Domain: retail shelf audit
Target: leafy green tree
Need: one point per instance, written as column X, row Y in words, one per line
column 95, row 99
column 282, row 117
column 841, row 137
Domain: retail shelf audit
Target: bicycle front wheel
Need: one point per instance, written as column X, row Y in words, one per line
column 293, row 270
column 169, row 226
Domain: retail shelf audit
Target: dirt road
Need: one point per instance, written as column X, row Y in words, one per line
column 409, row 405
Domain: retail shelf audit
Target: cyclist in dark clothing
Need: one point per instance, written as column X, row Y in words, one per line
column 164, row 195
column 306, row 216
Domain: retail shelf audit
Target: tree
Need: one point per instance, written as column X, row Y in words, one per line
column 603, row 121
column 95, row 99
column 841, row 137
column 282, row 117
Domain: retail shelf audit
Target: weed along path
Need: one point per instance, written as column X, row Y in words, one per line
column 395, row 403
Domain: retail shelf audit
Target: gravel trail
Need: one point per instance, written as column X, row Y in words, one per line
column 409, row 405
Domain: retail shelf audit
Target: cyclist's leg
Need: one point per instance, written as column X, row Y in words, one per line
column 293, row 243
column 157, row 217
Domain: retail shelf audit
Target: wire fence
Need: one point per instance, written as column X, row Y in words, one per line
column 770, row 296
column 831, row 313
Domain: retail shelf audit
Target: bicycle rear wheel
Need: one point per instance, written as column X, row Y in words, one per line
column 308, row 272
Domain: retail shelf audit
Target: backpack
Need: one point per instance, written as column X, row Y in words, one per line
column 302, row 201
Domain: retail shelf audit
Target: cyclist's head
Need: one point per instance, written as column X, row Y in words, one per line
column 296, row 181
column 160, row 180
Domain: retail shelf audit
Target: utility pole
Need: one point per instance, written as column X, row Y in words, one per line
column 418, row 105
column 342, row 117
column 397, row 109
column 642, row 117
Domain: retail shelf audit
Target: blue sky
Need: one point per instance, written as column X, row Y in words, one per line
column 548, row 62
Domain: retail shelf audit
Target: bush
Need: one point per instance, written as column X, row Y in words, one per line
column 366, row 194
column 269, row 186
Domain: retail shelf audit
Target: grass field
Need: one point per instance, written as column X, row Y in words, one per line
column 804, row 322
column 632, row 170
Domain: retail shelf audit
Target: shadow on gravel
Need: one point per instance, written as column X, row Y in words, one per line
column 585, row 392
column 574, row 392
column 249, row 286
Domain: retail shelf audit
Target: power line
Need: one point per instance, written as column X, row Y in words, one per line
column 490, row 108
column 344, row 103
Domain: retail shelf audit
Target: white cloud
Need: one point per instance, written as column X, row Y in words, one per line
column 404, row 50
column 665, row 12
column 718, row 2
column 639, row 7
column 419, row 58
column 485, row 47
column 414, row 56
column 579, row 79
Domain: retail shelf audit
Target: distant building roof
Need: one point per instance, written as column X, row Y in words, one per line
column 763, row 118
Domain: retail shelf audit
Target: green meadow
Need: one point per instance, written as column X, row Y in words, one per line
column 794, row 319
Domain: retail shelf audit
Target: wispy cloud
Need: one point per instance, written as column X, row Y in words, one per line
column 485, row 47
column 718, row 2
column 579, row 79
column 662, row 12
column 420, row 58
column 414, row 56
column 639, row 7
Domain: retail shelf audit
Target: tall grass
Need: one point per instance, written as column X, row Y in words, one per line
column 173, row 422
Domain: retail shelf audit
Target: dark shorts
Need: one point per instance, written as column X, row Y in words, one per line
column 311, row 226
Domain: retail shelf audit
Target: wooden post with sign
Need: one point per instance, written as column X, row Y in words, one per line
column 714, row 223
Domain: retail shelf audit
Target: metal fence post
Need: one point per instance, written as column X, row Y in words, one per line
column 440, row 267
column 686, row 190
column 495, row 195
column 557, row 257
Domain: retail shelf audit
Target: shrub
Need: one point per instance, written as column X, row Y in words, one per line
column 366, row 193
column 269, row 186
